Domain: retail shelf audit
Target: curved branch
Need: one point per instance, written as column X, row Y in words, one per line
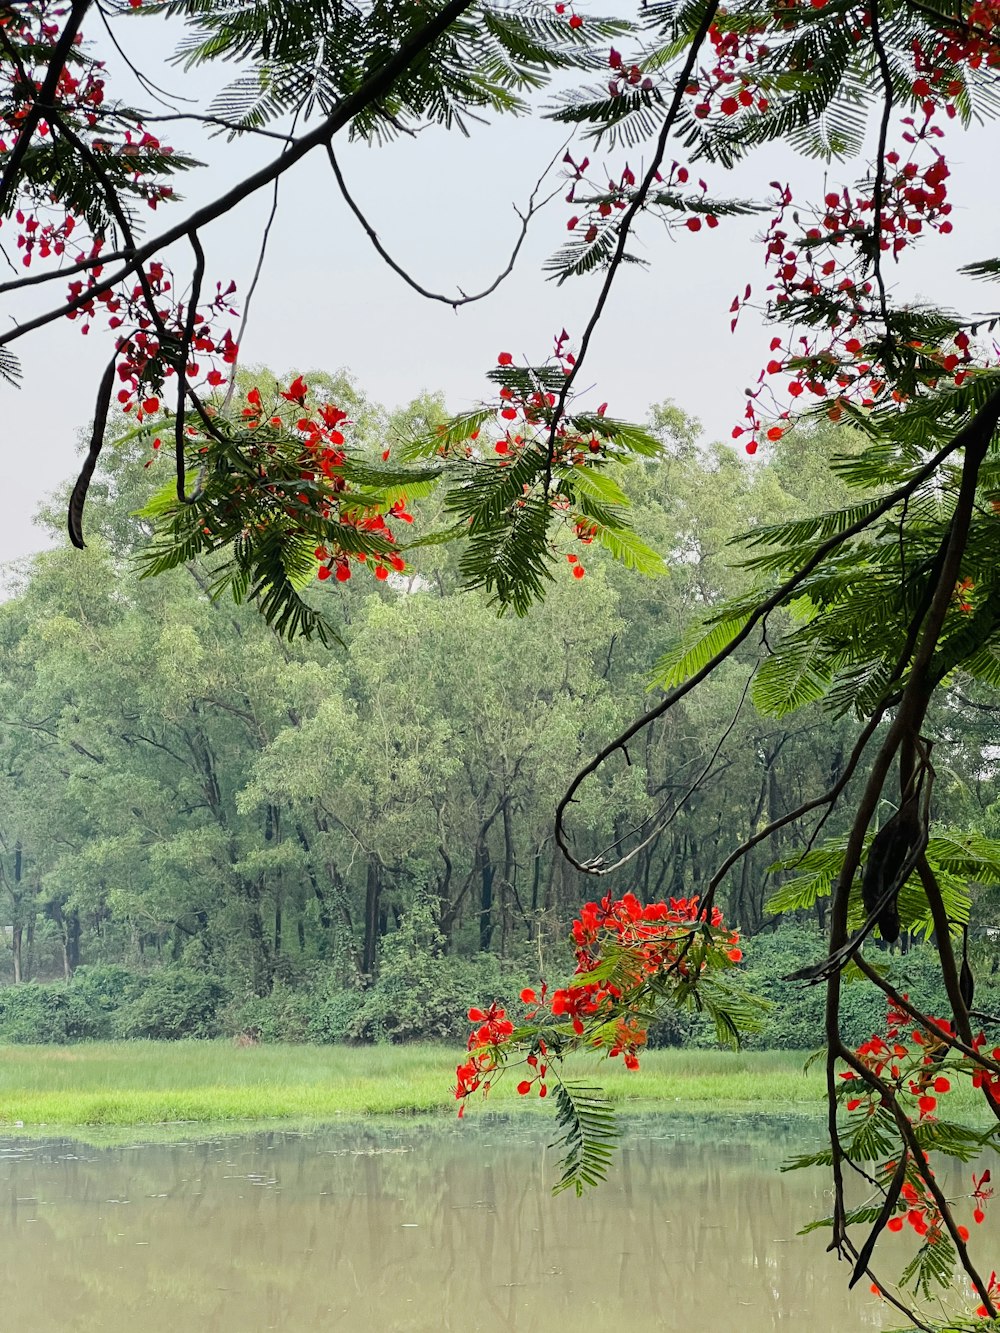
column 182, row 365
column 828, row 798
column 979, row 430
column 373, row 88
column 454, row 301
column 74, row 511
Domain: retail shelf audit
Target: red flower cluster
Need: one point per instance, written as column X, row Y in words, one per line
column 993, row 1291
column 829, row 257
column 147, row 355
column 299, row 465
column 135, row 163
column 729, row 87
column 910, row 1059
column 493, row 1029
column 600, row 205
column 621, row 947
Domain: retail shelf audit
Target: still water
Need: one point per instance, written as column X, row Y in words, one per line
column 420, row 1227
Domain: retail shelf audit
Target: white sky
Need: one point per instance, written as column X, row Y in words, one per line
column 443, row 207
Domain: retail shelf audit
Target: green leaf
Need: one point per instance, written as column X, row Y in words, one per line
column 589, row 1136
column 630, row 550
column 695, row 650
column 796, row 673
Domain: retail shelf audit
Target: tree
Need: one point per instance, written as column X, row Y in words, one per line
column 878, row 607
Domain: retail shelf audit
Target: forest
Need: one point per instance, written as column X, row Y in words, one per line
column 527, row 717
column 210, row 830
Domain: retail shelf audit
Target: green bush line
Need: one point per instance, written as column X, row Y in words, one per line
column 421, row 997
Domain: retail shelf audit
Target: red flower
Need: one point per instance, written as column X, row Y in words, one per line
column 296, row 392
column 332, row 416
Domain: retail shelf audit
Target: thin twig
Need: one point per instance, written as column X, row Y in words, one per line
column 984, row 422
column 681, row 802
column 144, row 81
column 462, row 299
column 373, row 88
column 878, row 194
column 625, row 226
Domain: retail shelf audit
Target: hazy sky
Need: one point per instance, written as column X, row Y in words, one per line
column 443, row 206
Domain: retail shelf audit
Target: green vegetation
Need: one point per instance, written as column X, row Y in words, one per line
column 206, row 833
column 149, row 1083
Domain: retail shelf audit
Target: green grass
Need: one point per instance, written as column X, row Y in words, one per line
column 146, row 1083
column 151, row 1083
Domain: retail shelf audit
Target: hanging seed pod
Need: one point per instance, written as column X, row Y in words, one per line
column 891, row 848
column 966, row 981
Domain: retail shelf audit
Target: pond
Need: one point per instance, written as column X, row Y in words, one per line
column 420, row 1226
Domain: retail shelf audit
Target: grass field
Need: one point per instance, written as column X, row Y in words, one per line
column 156, row 1083
column 146, row 1083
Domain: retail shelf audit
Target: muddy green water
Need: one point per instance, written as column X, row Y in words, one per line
column 419, row 1227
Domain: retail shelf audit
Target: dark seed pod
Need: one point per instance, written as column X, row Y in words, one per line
column 966, row 981
column 891, row 848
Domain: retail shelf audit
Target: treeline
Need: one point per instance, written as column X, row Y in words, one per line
column 199, row 820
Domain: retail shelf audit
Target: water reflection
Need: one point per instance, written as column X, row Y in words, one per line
column 417, row 1227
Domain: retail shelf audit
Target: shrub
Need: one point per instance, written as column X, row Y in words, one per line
column 284, row 1015
column 50, row 1012
column 104, row 990
column 175, row 1002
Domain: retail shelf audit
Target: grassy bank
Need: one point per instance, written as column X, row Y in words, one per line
column 151, row 1083
column 146, row 1083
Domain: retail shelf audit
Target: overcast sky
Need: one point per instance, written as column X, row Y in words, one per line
column 443, row 205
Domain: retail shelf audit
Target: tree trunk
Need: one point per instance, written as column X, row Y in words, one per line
column 373, row 892
column 261, row 962
column 487, row 873
column 70, row 924
column 16, row 920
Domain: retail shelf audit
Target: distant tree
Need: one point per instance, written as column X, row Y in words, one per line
column 878, row 607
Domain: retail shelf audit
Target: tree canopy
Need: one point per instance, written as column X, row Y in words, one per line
column 881, row 608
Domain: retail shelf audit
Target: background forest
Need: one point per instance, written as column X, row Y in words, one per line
column 205, row 830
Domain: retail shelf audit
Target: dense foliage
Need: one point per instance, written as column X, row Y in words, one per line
column 257, row 811
column 387, row 788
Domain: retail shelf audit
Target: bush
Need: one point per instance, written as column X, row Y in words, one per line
column 104, row 990
column 419, row 994
column 175, row 1002
column 284, row 1015
column 50, row 1012
column 335, row 1015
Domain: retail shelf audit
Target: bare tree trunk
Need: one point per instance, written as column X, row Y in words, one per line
column 18, row 903
column 487, row 872
column 369, row 951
